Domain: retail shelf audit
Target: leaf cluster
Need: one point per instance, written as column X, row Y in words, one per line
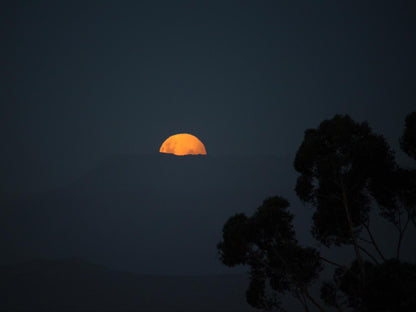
column 345, row 171
column 408, row 140
column 389, row 286
column 266, row 242
column 338, row 162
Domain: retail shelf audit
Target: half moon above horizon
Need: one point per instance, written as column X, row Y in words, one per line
column 183, row 144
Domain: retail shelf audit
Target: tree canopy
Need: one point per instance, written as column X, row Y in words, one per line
column 266, row 242
column 345, row 170
column 408, row 140
column 337, row 162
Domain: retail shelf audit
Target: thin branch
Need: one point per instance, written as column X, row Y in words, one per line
column 399, row 244
column 334, row 263
column 367, row 227
column 400, row 221
column 305, row 290
column 411, row 213
column 353, row 236
column 407, row 222
column 302, row 300
column 305, row 301
column 368, row 254
column 343, row 267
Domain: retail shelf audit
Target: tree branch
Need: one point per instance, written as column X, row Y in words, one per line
column 367, row 227
column 334, row 263
column 302, row 300
column 305, row 290
column 399, row 244
column 368, row 254
column 400, row 221
column 354, row 238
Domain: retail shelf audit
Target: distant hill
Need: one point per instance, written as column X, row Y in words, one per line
column 77, row 285
column 153, row 214
column 143, row 213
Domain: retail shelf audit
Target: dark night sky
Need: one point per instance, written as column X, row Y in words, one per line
column 82, row 81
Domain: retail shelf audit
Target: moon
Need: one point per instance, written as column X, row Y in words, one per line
column 183, row 144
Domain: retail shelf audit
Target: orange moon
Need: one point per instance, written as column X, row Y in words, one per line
column 183, row 144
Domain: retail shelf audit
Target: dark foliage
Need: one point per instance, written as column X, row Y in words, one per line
column 395, row 190
column 396, row 196
column 266, row 242
column 389, row 286
column 345, row 170
column 408, row 140
column 337, row 161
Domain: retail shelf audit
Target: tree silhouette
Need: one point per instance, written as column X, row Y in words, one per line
column 266, row 242
column 389, row 286
column 337, row 162
column 345, row 171
column 408, row 140
column 407, row 189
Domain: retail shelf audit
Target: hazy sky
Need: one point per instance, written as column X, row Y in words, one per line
column 81, row 81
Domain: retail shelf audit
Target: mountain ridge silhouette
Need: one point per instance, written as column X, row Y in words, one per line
column 79, row 285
